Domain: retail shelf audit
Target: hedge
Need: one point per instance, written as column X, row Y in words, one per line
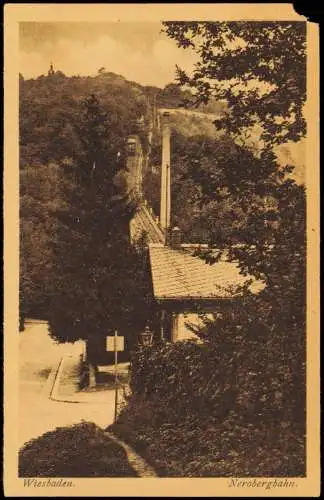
column 231, row 405
column 81, row 450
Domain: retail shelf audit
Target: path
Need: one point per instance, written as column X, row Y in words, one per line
column 39, row 357
column 138, row 463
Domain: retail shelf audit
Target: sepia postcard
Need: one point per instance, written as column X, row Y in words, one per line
column 161, row 257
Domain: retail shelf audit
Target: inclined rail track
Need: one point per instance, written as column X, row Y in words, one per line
column 144, row 221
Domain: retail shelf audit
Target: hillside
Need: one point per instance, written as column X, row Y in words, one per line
column 50, row 109
column 50, row 105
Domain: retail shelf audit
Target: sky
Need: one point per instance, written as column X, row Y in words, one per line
column 136, row 50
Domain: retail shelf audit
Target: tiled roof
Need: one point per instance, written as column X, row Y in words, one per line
column 177, row 274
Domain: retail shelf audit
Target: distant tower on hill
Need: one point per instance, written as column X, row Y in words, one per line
column 51, row 70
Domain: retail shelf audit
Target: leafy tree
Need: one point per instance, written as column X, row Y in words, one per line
column 243, row 51
column 40, row 191
column 217, row 186
column 99, row 282
column 257, row 68
column 52, row 148
column 49, row 112
column 152, row 190
column 172, row 96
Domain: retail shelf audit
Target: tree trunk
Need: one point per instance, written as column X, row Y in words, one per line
column 96, row 353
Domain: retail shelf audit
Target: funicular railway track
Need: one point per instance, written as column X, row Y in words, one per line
column 145, row 222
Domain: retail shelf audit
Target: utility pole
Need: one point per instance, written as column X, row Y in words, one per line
column 115, row 343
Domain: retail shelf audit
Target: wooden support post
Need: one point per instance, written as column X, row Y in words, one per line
column 174, row 327
column 162, row 324
column 116, row 377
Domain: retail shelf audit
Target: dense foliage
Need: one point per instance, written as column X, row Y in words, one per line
column 257, row 68
column 82, row 450
column 50, row 109
column 50, row 145
column 77, row 268
column 40, row 191
column 95, row 265
column 60, row 138
column 240, row 397
column 268, row 208
column 215, row 409
column 219, row 188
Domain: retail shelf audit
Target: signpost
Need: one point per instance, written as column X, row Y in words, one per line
column 115, row 343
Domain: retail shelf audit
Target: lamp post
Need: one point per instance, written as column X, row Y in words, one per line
column 146, row 338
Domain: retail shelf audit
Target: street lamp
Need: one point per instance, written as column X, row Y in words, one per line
column 146, row 338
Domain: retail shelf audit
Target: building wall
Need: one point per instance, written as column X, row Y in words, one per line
column 180, row 328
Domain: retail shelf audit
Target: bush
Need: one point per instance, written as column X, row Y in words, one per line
column 82, row 450
column 223, row 407
column 210, row 447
